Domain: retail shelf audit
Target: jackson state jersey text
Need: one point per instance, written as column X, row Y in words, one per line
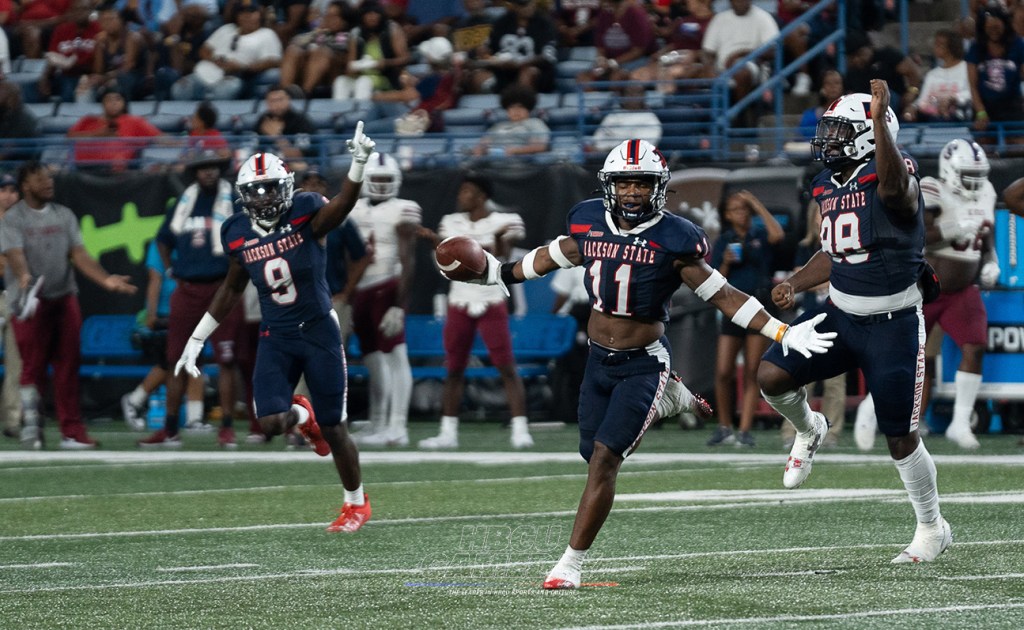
column 287, row 266
column 873, row 252
column 631, row 273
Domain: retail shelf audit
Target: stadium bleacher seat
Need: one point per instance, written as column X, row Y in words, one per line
column 41, row 110
column 933, row 139
column 77, row 110
column 465, row 116
column 142, row 108
column 480, row 101
column 158, row 155
column 590, row 100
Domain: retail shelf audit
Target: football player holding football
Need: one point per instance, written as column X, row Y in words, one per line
column 872, row 256
column 635, row 255
column 278, row 243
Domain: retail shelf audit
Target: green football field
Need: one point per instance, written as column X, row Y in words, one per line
column 698, row 537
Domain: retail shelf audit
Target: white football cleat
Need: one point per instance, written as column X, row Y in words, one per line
column 521, row 439
column 930, row 540
column 798, row 466
column 963, row 437
column 865, row 425
column 385, row 438
column 442, row 442
column 562, row 578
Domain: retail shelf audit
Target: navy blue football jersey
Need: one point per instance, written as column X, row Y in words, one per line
column 873, row 252
column 287, row 266
column 630, row 273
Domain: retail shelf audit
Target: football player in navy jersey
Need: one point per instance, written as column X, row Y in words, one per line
column 635, row 255
column 278, row 242
column 872, row 255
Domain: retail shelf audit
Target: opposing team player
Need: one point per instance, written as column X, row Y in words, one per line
column 872, row 239
column 389, row 225
column 635, row 256
column 279, row 243
column 959, row 221
column 472, row 308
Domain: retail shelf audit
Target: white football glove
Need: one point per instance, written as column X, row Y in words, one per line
column 29, row 302
column 804, row 339
column 492, row 276
column 189, row 357
column 990, row 274
column 393, row 321
column 360, row 146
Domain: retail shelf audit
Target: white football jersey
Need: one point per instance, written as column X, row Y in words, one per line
column 979, row 213
column 378, row 224
column 482, row 231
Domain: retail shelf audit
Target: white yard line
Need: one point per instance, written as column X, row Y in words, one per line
column 914, row 612
column 419, row 570
column 211, row 567
column 37, row 565
column 969, row 578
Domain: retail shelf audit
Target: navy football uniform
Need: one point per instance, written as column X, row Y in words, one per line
column 629, row 273
column 298, row 328
column 875, row 303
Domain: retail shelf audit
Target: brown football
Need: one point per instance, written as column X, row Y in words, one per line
column 461, row 258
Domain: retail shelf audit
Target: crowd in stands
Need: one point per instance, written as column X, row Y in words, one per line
column 402, row 63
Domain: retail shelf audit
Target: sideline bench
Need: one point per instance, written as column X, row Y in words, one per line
column 536, row 339
column 107, row 350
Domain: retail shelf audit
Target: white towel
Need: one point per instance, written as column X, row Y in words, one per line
column 223, row 207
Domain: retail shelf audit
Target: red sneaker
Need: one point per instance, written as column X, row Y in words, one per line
column 226, row 438
column 352, row 517
column 160, row 439
column 311, row 430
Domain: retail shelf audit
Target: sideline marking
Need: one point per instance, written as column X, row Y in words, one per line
column 783, row 618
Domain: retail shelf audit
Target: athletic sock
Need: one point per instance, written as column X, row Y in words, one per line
column 355, row 497
column 137, row 397
column 917, row 471
column 194, row 411
column 793, row 407
column 967, row 385
column 572, row 559
column 301, row 413
column 450, row 425
column 520, row 424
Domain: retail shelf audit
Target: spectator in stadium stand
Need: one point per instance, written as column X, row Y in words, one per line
column 283, row 130
column 69, row 56
column 191, row 228
column 946, row 91
column 418, row 105
column 732, row 35
column 802, row 38
column 865, row 62
column 995, row 66
column 35, row 22
column 315, row 58
column 469, row 38
column 202, row 131
column 522, row 133
column 429, row 18
column 633, row 120
column 233, row 58
column 17, row 124
column 177, row 16
column 522, row 48
column 117, row 59
column 680, row 57
column 42, row 242
column 10, row 401
column 376, row 56
column 624, row 37
column 114, row 122
column 175, row 54
column 742, row 254
column 831, row 89
column 574, row 20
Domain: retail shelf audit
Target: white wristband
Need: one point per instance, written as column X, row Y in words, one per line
column 205, row 327
column 774, row 329
column 746, row 312
column 355, row 171
column 710, row 287
column 529, row 272
column 555, row 251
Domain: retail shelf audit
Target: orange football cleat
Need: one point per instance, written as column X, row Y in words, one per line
column 311, row 430
column 352, row 517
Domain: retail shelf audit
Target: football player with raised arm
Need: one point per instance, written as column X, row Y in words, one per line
column 278, row 243
column 872, row 256
column 635, row 255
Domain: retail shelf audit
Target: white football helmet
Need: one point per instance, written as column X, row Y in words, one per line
column 964, row 166
column 634, row 159
column 382, row 178
column 266, row 187
column 845, row 133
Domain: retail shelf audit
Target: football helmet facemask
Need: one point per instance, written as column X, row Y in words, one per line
column 964, row 166
column 634, row 159
column 845, row 133
column 265, row 186
column 382, row 177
